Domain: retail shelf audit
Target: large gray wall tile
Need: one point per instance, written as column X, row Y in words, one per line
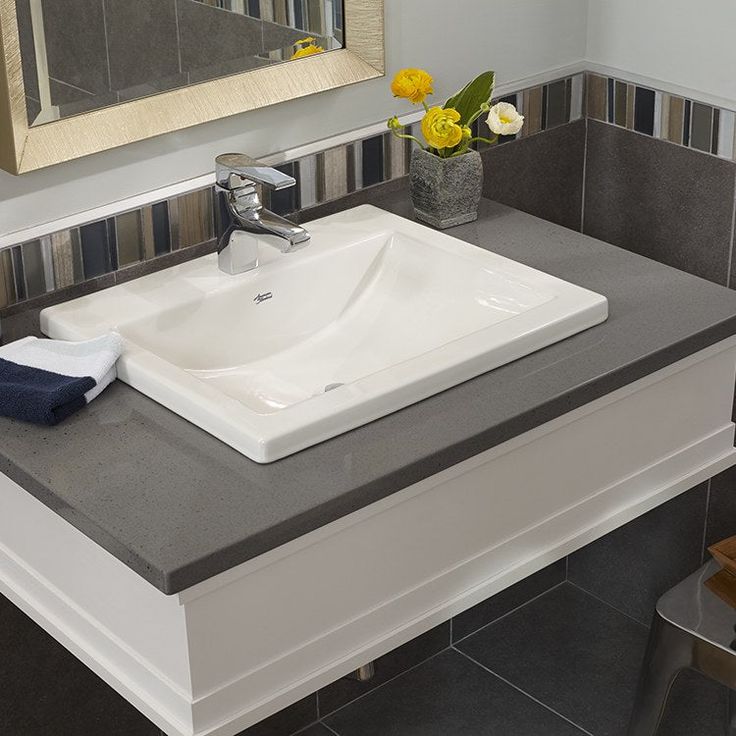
column 142, row 41
column 633, row 566
column 211, row 36
column 75, row 44
column 542, row 174
column 663, row 201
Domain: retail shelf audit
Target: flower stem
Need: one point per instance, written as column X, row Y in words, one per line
column 409, row 138
column 468, row 143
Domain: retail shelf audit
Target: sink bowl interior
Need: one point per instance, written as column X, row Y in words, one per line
column 338, row 318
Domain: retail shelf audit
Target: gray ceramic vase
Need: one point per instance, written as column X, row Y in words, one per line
column 445, row 191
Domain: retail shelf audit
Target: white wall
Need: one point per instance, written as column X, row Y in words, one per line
column 454, row 40
column 680, row 43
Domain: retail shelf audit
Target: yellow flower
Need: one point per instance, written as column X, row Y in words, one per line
column 412, row 84
column 306, row 47
column 440, row 127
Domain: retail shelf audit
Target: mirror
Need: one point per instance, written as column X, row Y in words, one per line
column 82, row 76
column 82, row 55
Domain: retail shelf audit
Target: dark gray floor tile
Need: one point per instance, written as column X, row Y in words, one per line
column 507, row 600
column 663, row 201
column 570, row 651
column 288, row 721
column 316, row 730
column 631, row 567
column 394, row 663
column 45, row 690
column 447, row 696
column 542, row 174
column 696, row 707
column 721, row 508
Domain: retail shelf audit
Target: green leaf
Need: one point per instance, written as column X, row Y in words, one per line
column 469, row 99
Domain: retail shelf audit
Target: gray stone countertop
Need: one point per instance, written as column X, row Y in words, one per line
column 178, row 506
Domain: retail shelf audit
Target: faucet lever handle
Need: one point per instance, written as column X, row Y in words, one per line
column 229, row 165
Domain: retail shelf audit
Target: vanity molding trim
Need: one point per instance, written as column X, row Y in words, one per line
column 27, row 148
column 234, row 649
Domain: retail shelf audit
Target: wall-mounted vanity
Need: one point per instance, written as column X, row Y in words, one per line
column 212, row 591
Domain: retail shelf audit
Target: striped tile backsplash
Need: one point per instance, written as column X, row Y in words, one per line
column 75, row 258
column 79, row 255
column 662, row 115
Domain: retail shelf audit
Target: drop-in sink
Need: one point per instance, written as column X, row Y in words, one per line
column 376, row 314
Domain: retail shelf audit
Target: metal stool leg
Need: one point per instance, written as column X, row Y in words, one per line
column 670, row 650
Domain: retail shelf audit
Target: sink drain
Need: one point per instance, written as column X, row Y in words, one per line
column 331, row 386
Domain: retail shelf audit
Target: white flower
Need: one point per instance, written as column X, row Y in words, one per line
column 504, row 119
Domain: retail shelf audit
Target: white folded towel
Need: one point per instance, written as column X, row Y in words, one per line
column 44, row 381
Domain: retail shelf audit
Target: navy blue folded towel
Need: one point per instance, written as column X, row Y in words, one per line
column 45, row 381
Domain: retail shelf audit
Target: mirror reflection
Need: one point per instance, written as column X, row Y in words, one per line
column 80, row 55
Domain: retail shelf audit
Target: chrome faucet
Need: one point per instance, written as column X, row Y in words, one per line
column 245, row 221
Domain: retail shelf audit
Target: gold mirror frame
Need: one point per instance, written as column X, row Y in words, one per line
column 24, row 148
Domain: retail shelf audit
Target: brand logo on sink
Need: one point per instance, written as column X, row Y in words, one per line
column 263, row 297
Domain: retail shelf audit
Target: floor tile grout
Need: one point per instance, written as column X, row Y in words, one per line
column 508, row 613
column 331, row 730
column 705, row 521
column 611, row 606
column 306, row 728
column 523, row 692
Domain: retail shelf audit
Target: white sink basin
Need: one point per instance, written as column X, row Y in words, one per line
column 376, row 314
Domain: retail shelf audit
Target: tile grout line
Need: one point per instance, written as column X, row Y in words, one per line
column 733, row 237
column 329, row 728
column 383, row 684
column 523, row 692
column 508, row 613
column 301, row 730
column 582, row 200
column 609, row 605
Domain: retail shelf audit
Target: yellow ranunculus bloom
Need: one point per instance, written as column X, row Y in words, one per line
column 412, row 84
column 306, row 47
column 440, row 127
